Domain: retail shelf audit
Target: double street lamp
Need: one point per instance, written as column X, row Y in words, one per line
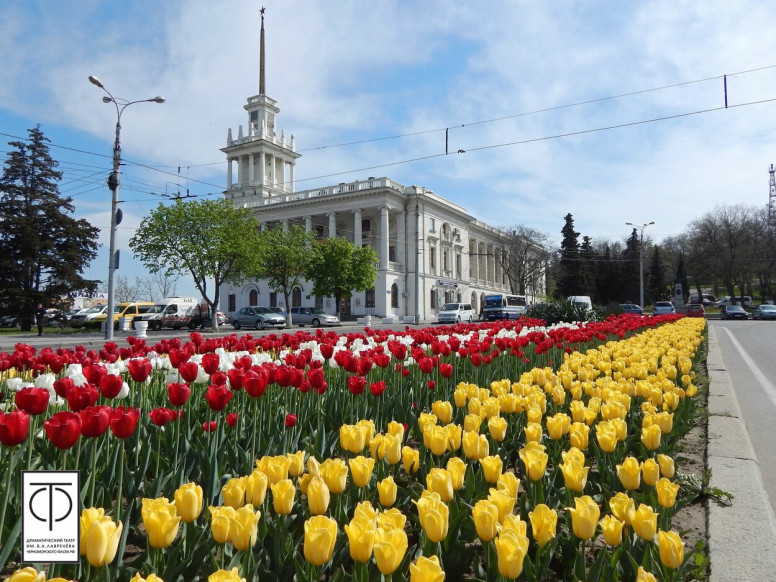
column 641, row 256
column 113, row 184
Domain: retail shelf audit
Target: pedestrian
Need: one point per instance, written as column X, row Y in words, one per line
column 40, row 316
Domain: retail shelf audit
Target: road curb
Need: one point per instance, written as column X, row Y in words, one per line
column 742, row 535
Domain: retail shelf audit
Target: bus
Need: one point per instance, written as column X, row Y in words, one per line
column 503, row 306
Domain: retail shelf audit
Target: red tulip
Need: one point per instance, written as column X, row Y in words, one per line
column 79, row 397
column 218, row 377
column 218, row 397
column 139, row 369
column 161, row 416
column 317, row 378
column 431, row 384
column 123, row 421
column 62, row 385
column 356, row 384
column 326, row 350
column 235, row 376
column 32, row 400
column 445, row 370
column 94, row 420
column 94, row 372
column 63, row 429
column 178, row 393
column 110, row 385
column 255, row 383
column 189, row 371
column 14, row 427
column 210, row 362
column 426, row 365
column 377, row 388
column 209, row 426
column 231, row 419
column 290, row 420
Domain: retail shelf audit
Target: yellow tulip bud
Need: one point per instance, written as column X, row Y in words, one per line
column 533, row 432
column 472, row 422
column 161, row 521
column 544, row 523
column 459, row 396
column 574, row 474
column 387, row 491
column 392, row 448
column 369, row 426
column 426, row 570
column 434, row 515
column 511, row 550
column 256, row 487
column 233, row 492
column 361, row 538
column 475, row 446
column 535, row 461
column 503, row 501
column 508, row 483
column 244, row 527
column 335, row 473
column 232, row 575
column 283, row 496
column 304, row 482
column 644, row 522
column 497, row 427
column 644, row 576
column 364, row 509
column 435, row 439
column 584, row 517
column 377, row 447
column 361, row 468
column 29, row 574
column 221, row 523
column 606, row 435
column 136, row 578
column 492, row 466
column 629, row 473
column 443, row 411
column 578, row 435
column 313, row 467
column 513, row 522
column 666, row 466
column 650, row 472
column 454, row 434
column 320, row 535
column 317, row 496
column 394, row 428
column 650, row 436
column 671, row 549
column 425, row 420
column 621, row 427
column 485, row 516
column 611, row 527
column 622, row 507
column 391, row 519
column 558, row 426
column 352, row 438
column 295, row 463
column 276, row 468
column 410, row 460
column 188, row 501
column 666, row 492
column 88, row 516
column 457, row 469
column 102, row 541
column 389, row 549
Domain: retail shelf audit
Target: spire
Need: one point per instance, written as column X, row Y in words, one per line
column 262, row 87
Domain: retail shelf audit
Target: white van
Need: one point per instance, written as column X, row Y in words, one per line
column 456, row 313
column 745, row 301
column 581, row 300
column 174, row 312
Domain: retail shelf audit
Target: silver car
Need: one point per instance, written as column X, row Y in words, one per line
column 257, row 318
column 314, row 316
column 764, row 312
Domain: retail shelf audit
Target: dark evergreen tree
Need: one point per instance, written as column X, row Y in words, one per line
column 681, row 277
column 657, row 288
column 43, row 250
column 631, row 268
column 587, row 262
column 569, row 261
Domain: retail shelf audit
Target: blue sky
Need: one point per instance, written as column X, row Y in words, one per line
column 505, row 77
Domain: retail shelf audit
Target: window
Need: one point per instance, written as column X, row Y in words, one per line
column 232, row 301
column 431, row 225
column 366, row 226
column 319, row 302
column 444, row 229
column 445, row 265
column 369, row 298
column 433, row 299
column 319, row 231
column 296, row 297
column 273, row 299
column 392, row 253
column 253, row 297
column 458, row 265
column 394, row 296
column 432, row 259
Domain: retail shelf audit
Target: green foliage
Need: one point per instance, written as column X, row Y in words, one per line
column 43, row 250
column 337, row 268
column 560, row 311
column 207, row 239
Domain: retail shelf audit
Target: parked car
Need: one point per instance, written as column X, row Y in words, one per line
column 764, row 312
column 744, row 300
column 257, row 318
column 89, row 316
column 733, row 312
column 631, row 308
column 456, row 313
column 663, row 307
column 279, row 311
column 314, row 316
column 695, row 310
column 9, row 321
column 706, row 299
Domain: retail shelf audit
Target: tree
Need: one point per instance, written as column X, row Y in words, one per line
column 568, row 263
column 43, row 250
column 525, row 258
column 208, row 239
column 285, row 260
column 658, row 287
column 337, row 267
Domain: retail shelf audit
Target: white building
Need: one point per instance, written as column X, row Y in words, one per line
column 431, row 251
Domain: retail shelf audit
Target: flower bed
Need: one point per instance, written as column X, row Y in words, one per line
column 480, row 450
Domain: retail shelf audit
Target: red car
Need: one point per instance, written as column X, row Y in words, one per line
column 695, row 310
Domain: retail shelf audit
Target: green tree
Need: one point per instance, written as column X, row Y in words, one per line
column 569, row 262
column 285, row 260
column 208, row 239
column 658, row 287
column 43, row 250
column 338, row 267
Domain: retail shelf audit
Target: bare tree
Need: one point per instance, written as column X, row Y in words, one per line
column 126, row 292
column 524, row 259
column 162, row 285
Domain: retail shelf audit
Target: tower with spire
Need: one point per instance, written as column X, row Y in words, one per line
column 262, row 161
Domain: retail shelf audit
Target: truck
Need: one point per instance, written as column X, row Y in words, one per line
column 174, row 312
column 502, row 306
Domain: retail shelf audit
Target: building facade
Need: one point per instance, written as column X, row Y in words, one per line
column 431, row 251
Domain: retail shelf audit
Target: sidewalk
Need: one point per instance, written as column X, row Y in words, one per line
column 742, row 536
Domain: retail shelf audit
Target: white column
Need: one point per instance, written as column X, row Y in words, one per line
column 261, row 168
column 357, row 227
column 308, row 223
column 285, row 225
column 229, row 173
column 384, row 237
column 250, row 168
column 292, row 185
column 332, row 224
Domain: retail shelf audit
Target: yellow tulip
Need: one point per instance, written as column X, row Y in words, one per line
column 410, row 459
column 335, row 473
column 88, row 516
column 459, row 396
column 136, row 578
column 244, row 527
column 434, row 515
column 377, row 447
column 497, row 427
column 389, row 549
column 394, row 428
column 102, row 541
column 391, row 519
column 361, row 538
column 313, row 467
column 513, row 522
column 221, row 523
column 387, row 491
column 574, row 475
column 644, row 522
column 508, row 483
column 622, row 507
column 533, row 432
column 667, row 468
column 369, row 426
column 606, row 435
column 511, row 550
column 457, row 469
column 188, row 501
column 644, row 576
column 454, row 434
column 320, row 535
column 443, row 411
column 161, row 521
column 295, row 463
column 392, row 448
column 364, row 509
column 435, row 439
column 535, row 461
column 426, row 570
column 425, row 420
column 275, row 468
column 584, row 517
column 28, row 574
column 317, row 496
column 621, row 427
column 474, row 408
column 544, row 523
column 534, row 414
column 361, row 468
column 232, row 575
column 233, row 492
column 504, row 502
column 577, row 408
column 578, row 435
column 472, row 422
column 558, row 425
column 650, row 472
column 475, row 445
column 304, row 482
column 629, row 473
column 256, row 487
column 665, row 420
column 352, row 438
column 666, row 492
column 492, row 466
column 485, row 516
column 671, row 549
column 283, row 496
column 611, row 527
column 650, row 436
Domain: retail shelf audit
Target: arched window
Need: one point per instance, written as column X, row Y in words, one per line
column 474, row 301
column 253, row 297
column 369, row 297
column 433, row 298
column 296, row 297
column 394, row 296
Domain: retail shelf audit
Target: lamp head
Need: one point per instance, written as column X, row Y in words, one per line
column 158, row 99
column 95, row 81
column 106, row 99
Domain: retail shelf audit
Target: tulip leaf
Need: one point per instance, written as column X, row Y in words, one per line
column 10, row 542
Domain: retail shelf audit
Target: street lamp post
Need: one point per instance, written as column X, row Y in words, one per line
column 641, row 256
column 113, row 184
